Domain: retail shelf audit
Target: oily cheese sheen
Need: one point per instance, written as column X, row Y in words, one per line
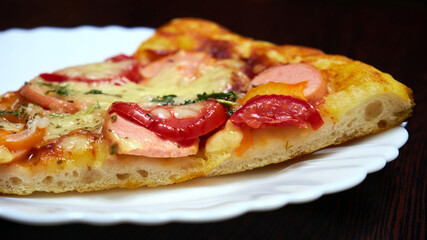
column 215, row 78
column 58, row 132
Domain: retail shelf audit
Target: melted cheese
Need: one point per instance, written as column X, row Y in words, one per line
column 96, row 70
column 226, row 140
column 81, row 151
column 214, row 78
column 8, row 126
column 5, row 155
column 61, row 124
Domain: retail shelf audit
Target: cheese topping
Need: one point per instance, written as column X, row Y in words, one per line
column 104, row 70
column 94, row 98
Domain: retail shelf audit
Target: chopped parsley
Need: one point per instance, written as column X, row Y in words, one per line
column 94, row 91
column 93, row 107
column 60, row 114
column 229, row 96
column 99, row 92
column 113, row 118
column 45, row 84
column 19, row 113
column 3, row 112
column 60, row 90
column 228, row 99
column 166, row 99
column 226, row 102
column 114, row 149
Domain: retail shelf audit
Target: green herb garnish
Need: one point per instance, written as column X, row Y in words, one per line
column 113, row 118
column 228, row 105
column 229, row 96
column 228, row 99
column 20, row 112
column 189, row 101
column 94, row 91
column 114, row 149
column 45, row 84
column 15, row 113
column 60, row 90
column 226, row 102
column 93, row 107
column 166, row 99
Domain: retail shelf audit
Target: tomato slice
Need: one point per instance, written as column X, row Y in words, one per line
column 277, row 111
column 119, row 58
column 166, row 121
column 117, row 69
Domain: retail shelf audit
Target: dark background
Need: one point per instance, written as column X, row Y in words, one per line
column 390, row 35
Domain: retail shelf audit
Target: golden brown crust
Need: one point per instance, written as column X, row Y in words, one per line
column 361, row 100
column 202, row 35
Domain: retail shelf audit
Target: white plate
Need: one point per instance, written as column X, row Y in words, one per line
column 26, row 53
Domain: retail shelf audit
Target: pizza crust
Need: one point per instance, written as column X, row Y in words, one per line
column 275, row 145
column 361, row 101
column 116, row 171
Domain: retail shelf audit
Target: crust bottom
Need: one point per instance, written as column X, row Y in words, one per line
column 121, row 171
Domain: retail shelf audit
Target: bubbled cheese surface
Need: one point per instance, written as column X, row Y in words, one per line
column 95, row 98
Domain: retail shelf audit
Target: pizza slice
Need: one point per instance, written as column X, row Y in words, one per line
column 194, row 100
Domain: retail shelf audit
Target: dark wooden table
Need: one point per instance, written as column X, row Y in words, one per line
column 390, row 203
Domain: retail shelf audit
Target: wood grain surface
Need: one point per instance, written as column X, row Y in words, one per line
column 390, row 35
